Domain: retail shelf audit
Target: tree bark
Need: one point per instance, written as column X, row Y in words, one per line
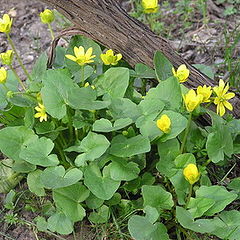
column 107, row 23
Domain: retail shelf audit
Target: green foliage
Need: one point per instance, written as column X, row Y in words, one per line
column 102, row 152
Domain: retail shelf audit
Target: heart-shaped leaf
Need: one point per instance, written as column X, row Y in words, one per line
column 102, row 186
column 37, row 152
column 56, row 177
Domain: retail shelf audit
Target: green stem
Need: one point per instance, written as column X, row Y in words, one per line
column 189, row 195
column 17, row 56
column 18, row 78
column 51, row 31
column 60, row 151
column 186, row 133
column 70, row 122
column 144, row 85
column 76, row 134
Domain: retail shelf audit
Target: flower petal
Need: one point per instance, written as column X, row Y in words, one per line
column 229, row 95
column 71, row 57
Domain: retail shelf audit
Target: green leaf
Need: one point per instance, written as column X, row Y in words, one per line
column 100, row 185
column 38, row 152
column 39, row 68
column 143, row 71
column 152, row 214
column 60, row 223
column 150, row 109
column 217, row 193
column 114, row 82
column 85, row 99
column 56, row 90
column 104, row 125
column 127, row 147
column 34, row 183
column 93, row 146
column 219, row 143
column 56, row 177
column 41, row 223
column 168, row 151
column 186, row 220
column 94, row 202
column 9, row 200
column 163, row 67
column 8, row 178
column 235, row 185
column 141, row 228
column 68, row 199
column 12, row 139
column 198, row 206
column 101, row 216
column 207, row 70
column 169, row 91
column 12, row 85
column 124, row 108
column 29, row 118
column 157, row 197
column 178, row 124
column 23, row 167
column 184, row 159
column 228, row 226
column 121, row 170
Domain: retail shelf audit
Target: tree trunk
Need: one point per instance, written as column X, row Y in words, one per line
column 107, row 23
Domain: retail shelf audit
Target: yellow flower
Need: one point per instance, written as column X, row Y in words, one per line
column 182, row 73
column 206, row 92
column 109, row 58
column 7, row 57
column 47, row 16
column 150, row 6
column 164, row 123
column 192, row 100
column 191, row 173
column 5, row 24
column 222, row 98
column 81, row 57
column 3, row 75
column 88, row 85
column 41, row 112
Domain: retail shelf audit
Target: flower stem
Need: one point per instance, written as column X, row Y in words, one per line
column 189, row 195
column 51, row 31
column 18, row 58
column 186, row 133
column 18, row 78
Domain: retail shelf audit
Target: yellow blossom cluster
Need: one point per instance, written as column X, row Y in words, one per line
column 192, row 99
column 82, row 58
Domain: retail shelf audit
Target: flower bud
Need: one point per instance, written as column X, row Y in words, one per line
column 182, row 73
column 206, row 92
column 191, row 173
column 109, row 58
column 7, row 57
column 164, row 123
column 5, row 24
column 47, row 16
column 150, row 6
column 3, row 75
column 192, row 100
